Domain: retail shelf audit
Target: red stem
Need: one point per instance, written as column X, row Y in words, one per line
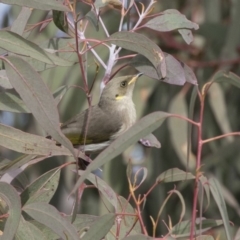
column 199, row 153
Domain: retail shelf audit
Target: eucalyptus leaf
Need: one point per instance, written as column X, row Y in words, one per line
column 43, row 4
column 37, row 97
column 174, row 175
column 100, row 227
column 139, row 43
column 42, row 189
column 10, row 196
column 50, row 217
column 169, row 20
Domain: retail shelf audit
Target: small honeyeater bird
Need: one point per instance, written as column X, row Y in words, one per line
column 113, row 115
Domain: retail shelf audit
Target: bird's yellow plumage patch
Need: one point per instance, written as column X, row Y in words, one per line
column 119, row 97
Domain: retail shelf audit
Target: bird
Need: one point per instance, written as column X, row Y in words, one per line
column 95, row 128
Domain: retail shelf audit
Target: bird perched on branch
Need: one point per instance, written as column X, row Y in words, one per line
column 95, row 128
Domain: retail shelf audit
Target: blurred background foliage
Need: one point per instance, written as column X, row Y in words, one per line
column 216, row 46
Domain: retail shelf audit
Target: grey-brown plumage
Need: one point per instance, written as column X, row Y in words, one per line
column 112, row 116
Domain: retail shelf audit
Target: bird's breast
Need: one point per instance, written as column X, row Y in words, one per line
column 127, row 113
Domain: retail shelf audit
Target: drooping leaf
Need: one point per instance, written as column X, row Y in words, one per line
column 50, row 217
column 169, row 20
column 103, row 187
column 37, row 97
column 177, row 73
column 60, row 20
column 150, row 141
column 43, row 4
column 182, row 229
column 42, row 189
column 10, row 196
column 93, row 18
column 174, row 175
column 27, row 230
column 20, row 22
column 139, row 43
column 186, row 35
column 100, row 227
column 178, row 130
column 17, row 44
column 216, row 191
column 23, row 142
column 12, row 103
column 143, row 127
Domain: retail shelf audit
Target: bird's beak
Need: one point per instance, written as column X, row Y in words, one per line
column 133, row 80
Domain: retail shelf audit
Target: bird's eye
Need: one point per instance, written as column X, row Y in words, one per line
column 123, row 84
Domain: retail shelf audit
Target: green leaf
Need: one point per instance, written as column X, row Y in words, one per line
column 93, row 18
column 179, row 131
column 12, row 103
column 169, row 20
column 100, row 227
column 205, row 185
column 19, row 141
column 103, row 187
column 219, row 108
column 43, row 4
column 20, row 22
column 178, row 73
column 50, row 217
column 186, row 35
column 27, row 230
column 139, row 43
column 15, row 43
column 182, row 229
column 190, row 126
column 216, row 191
column 60, row 20
column 174, row 175
column 142, row 128
column 43, row 188
column 226, row 77
column 10, row 196
column 37, row 97
column 82, row 222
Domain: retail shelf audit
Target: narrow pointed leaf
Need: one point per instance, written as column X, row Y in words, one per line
column 43, row 4
column 50, row 217
column 169, row 20
column 143, row 127
column 139, row 43
column 20, row 22
column 20, row 141
column 103, row 187
column 10, row 102
column 10, row 196
column 174, row 175
column 13, row 42
column 27, row 230
column 42, row 189
column 60, row 20
column 182, row 229
column 216, row 191
column 100, row 227
column 37, row 97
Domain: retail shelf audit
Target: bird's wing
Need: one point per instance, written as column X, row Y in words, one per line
column 101, row 126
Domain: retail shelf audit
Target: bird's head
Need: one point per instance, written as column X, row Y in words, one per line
column 119, row 88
